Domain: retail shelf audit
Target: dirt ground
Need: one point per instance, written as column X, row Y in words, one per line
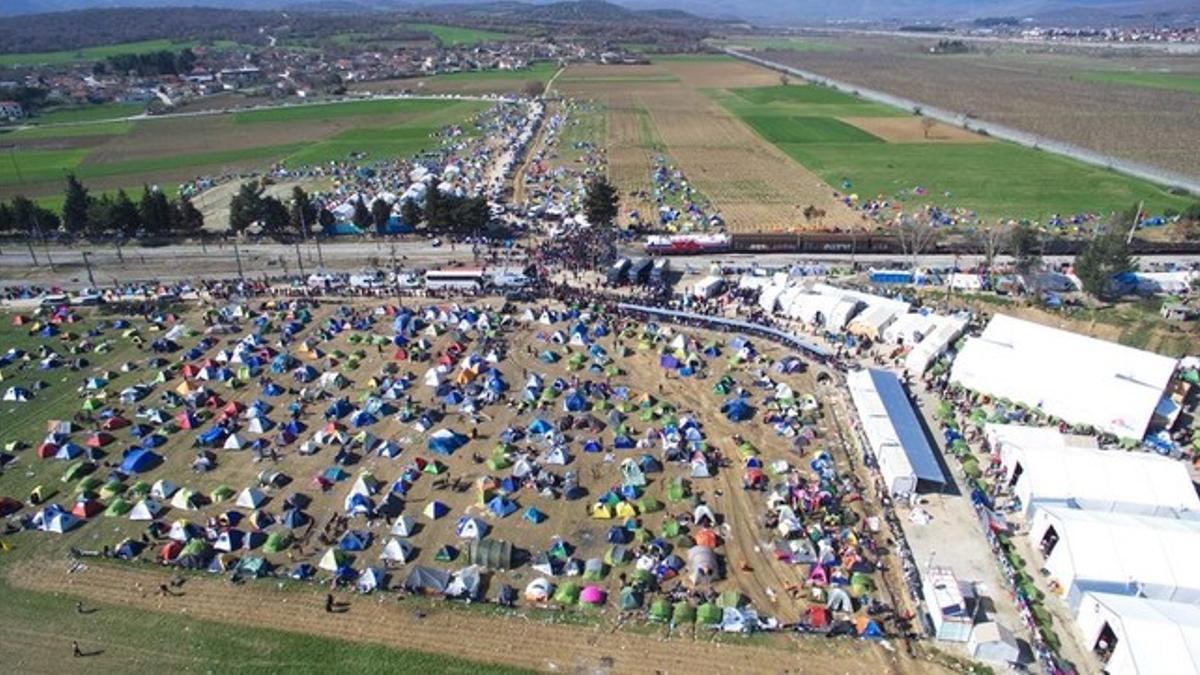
column 911, row 130
column 752, row 184
column 512, row 640
column 748, row 561
column 214, row 203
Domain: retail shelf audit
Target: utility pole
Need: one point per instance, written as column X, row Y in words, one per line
column 238, row 256
column 29, row 243
column 88, row 263
column 1134, row 224
column 320, row 256
column 299, row 260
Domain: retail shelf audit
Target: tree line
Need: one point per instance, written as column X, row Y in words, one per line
column 84, row 215
column 165, row 62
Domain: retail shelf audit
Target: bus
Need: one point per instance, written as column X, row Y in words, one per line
column 616, row 273
column 457, row 279
column 659, row 271
column 639, row 272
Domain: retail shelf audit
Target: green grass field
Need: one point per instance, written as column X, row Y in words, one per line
column 338, row 110
column 542, row 71
column 994, row 179
column 70, row 131
column 99, row 53
column 88, row 113
column 1186, row 82
column 453, row 36
column 781, row 129
column 375, row 137
column 620, row 79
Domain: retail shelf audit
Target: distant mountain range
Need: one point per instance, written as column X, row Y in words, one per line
column 789, row 11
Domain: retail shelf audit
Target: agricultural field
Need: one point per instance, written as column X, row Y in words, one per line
column 1140, row 108
column 100, row 53
column 472, row 82
column 454, row 36
column 87, row 113
column 882, row 152
column 163, row 151
column 210, row 625
column 662, row 111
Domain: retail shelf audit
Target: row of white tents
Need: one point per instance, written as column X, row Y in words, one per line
column 1119, row 535
column 877, row 317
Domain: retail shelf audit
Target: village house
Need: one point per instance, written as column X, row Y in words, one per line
column 11, row 111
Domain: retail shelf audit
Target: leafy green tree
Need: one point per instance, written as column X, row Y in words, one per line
column 471, row 214
column 1102, row 259
column 275, row 217
column 303, row 214
column 75, row 207
column 186, row 219
column 101, row 221
column 245, row 208
column 410, row 213
column 437, row 212
column 155, row 210
column 1025, row 246
column 32, row 219
column 381, row 213
column 126, row 216
column 326, row 220
column 362, row 215
column 601, row 202
column 8, row 223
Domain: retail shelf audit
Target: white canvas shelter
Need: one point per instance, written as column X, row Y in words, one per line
column 1119, row 553
column 1151, row 636
column 873, row 320
column 1076, row 378
column 396, row 550
column 947, row 605
column 404, row 526
column 233, row 442
column 146, row 509
column 162, row 489
column 895, row 437
column 993, row 643
column 251, row 498
column 936, row 341
column 1046, row 468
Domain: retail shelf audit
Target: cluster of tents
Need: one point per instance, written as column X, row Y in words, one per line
column 225, row 393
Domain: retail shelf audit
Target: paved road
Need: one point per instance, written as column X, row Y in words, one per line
column 189, row 261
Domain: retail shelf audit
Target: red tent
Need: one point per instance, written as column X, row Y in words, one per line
column 114, row 422
column 170, row 551
column 100, row 439
column 86, row 508
column 818, row 616
column 190, row 370
column 707, row 537
column 19, row 320
column 47, row 450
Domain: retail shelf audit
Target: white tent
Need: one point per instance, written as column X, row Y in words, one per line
column 434, row 376
column 397, row 550
column 937, row 340
column 404, row 526
column 1119, row 553
column 146, row 509
column 888, row 422
column 233, row 442
column 369, row 580
column 873, row 321
column 251, row 498
column 162, row 489
column 469, row 527
column 1145, row 637
column 1077, row 378
column 1046, row 468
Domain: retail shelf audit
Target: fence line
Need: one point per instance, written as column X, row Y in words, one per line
column 1170, row 179
column 735, row 325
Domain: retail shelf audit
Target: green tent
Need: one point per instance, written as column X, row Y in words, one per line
column 221, row 493
column 671, row 528
column 111, row 489
column 683, row 613
column 660, row 610
column 118, row 507
column 677, row 489
column 277, row 542
column 77, row 470
column 629, row 599
column 648, row 504
column 709, row 614
column 88, row 484
column 730, row 599
column 567, row 593
column 252, row 565
column 194, row 547
column 498, row 462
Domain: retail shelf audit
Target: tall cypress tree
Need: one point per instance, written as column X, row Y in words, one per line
column 75, row 207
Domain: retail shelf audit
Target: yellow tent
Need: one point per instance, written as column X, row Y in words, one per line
column 626, row 510
column 602, row 512
column 184, row 388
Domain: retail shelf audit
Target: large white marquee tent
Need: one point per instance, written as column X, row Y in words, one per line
column 1076, row 378
column 1119, row 553
column 1052, row 469
column 1151, row 636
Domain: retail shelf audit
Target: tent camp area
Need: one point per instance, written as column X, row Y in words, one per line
column 1082, row 380
column 592, row 464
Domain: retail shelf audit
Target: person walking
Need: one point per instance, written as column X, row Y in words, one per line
column 75, row 648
